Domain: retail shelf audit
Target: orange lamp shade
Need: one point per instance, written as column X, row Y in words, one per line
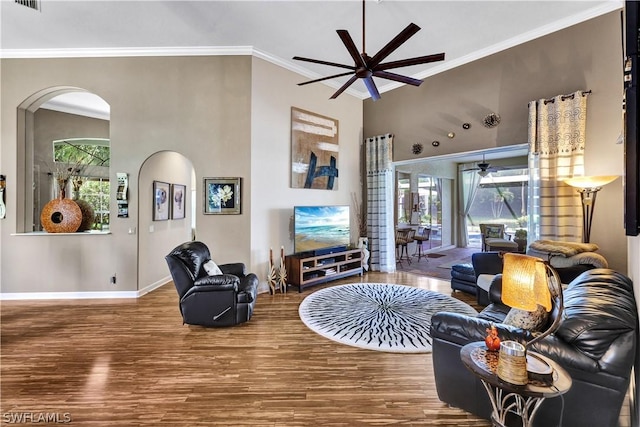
column 524, row 282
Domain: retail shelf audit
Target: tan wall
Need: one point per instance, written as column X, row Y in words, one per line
column 225, row 118
column 196, row 106
column 273, row 198
column 583, row 57
column 155, row 236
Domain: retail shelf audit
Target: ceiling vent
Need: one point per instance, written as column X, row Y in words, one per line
column 31, row 4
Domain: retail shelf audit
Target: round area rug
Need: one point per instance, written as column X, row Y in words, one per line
column 377, row 316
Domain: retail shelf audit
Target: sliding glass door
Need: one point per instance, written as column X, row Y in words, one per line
column 435, row 208
column 501, row 199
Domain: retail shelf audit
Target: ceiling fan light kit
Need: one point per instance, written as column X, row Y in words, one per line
column 366, row 67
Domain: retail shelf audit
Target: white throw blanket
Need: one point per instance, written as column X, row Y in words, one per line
column 565, row 249
column 590, row 258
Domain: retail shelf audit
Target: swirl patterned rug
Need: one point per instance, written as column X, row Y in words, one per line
column 377, row 316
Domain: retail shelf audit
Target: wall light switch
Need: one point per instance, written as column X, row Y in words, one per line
column 151, row 229
column 132, row 230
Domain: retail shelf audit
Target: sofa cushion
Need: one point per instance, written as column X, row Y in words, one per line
column 493, row 231
column 530, row 320
column 211, row 268
column 599, row 306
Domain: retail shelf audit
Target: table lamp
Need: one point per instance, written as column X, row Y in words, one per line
column 526, row 283
column 588, row 187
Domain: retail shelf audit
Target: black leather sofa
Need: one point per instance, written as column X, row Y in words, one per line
column 596, row 342
column 219, row 300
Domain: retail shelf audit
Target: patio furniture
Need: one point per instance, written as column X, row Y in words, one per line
column 494, row 238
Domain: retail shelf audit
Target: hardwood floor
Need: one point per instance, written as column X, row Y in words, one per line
column 132, row 362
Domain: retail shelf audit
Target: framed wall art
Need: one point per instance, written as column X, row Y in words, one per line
column 160, row 201
column 178, row 196
column 314, row 150
column 222, row 196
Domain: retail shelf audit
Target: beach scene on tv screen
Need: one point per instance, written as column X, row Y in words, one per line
column 318, row 227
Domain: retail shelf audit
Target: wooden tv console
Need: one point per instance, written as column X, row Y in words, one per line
column 308, row 270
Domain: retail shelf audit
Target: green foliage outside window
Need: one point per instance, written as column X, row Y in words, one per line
column 82, row 158
column 81, row 153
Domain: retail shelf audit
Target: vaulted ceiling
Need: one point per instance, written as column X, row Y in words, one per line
column 278, row 30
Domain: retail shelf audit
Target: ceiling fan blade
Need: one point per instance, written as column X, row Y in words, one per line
column 317, row 61
column 344, row 87
column 351, row 47
column 411, row 61
column 325, row 78
column 397, row 77
column 394, row 44
column 371, row 87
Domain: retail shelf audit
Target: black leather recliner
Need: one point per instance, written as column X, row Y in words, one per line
column 596, row 342
column 219, row 300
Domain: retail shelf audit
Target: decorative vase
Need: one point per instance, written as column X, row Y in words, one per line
column 61, row 215
column 363, row 244
column 88, row 214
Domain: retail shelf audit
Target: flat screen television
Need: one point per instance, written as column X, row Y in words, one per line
column 320, row 229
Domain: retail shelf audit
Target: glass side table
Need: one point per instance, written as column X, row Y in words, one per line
column 522, row 400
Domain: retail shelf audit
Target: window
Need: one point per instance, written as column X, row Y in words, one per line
column 82, row 151
column 403, row 205
column 430, row 207
column 95, row 191
column 501, row 199
column 87, row 161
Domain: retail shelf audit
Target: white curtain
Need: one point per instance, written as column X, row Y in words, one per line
column 378, row 155
column 557, row 129
column 468, row 184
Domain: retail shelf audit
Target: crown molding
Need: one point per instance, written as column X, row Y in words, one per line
column 594, row 12
column 168, row 51
column 80, row 110
column 126, row 52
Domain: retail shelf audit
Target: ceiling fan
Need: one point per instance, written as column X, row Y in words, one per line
column 483, row 168
column 366, row 67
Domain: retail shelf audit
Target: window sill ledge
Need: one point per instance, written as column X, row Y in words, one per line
column 82, row 233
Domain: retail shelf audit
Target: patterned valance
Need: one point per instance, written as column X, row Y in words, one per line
column 558, row 125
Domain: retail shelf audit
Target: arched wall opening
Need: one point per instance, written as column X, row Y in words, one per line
column 173, row 172
column 60, row 113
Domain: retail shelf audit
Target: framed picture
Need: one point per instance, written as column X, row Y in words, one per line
column 178, row 196
column 160, row 201
column 222, row 196
column 314, row 150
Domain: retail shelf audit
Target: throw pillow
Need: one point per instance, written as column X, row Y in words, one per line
column 494, row 232
column 530, row 320
column 212, row 268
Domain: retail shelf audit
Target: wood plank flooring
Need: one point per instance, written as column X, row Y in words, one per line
column 132, row 362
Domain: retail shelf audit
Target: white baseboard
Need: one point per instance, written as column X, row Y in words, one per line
column 14, row 296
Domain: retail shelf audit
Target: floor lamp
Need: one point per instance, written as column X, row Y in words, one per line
column 588, row 187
